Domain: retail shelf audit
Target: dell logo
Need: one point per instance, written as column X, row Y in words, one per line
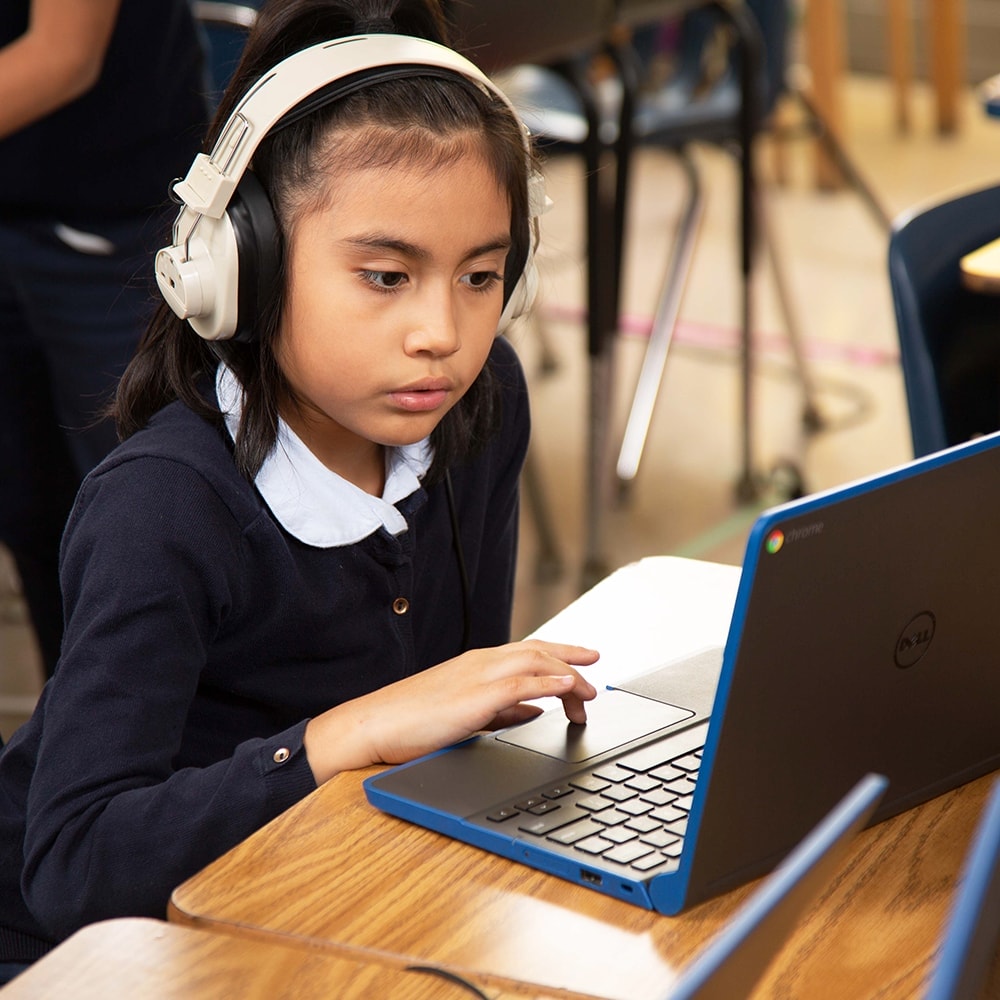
column 915, row 639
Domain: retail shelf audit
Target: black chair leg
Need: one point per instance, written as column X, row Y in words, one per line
column 602, row 264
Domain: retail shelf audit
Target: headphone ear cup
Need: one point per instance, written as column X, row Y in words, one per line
column 523, row 294
column 526, row 288
column 224, row 274
column 258, row 248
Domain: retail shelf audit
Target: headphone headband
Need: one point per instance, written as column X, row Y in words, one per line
column 210, row 182
column 200, row 283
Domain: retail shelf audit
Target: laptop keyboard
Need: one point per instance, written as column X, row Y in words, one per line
column 632, row 811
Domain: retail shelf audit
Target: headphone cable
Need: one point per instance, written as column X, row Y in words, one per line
column 463, row 575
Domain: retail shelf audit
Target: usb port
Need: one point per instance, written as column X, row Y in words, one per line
column 592, row 877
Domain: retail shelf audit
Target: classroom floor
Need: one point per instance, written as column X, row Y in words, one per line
column 684, row 499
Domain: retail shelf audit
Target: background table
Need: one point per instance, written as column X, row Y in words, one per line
column 825, row 47
column 333, row 872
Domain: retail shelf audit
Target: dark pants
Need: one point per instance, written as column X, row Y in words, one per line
column 72, row 309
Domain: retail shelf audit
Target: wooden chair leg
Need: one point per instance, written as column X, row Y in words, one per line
column 900, row 30
column 825, row 55
column 945, row 27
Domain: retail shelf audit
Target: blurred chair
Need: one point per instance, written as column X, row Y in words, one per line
column 949, row 335
column 728, row 110
column 563, row 34
column 224, row 27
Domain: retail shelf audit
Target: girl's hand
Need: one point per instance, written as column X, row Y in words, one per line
column 481, row 689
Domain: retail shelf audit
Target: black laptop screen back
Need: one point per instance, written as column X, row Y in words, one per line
column 868, row 642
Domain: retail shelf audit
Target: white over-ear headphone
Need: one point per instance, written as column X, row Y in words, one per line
column 225, row 244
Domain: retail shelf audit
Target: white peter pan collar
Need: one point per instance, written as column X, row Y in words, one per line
column 312, row 503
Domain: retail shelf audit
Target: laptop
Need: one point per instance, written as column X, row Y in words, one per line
column 862, row 639
column 970, row 944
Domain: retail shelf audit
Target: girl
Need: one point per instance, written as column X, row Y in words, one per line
column 300, row 560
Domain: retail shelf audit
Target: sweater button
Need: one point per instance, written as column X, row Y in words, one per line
column 401, row 605
column 280, row 756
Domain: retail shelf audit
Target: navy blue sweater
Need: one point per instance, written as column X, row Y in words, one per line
column 200, row 638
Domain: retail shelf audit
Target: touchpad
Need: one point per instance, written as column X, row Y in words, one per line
column 614, row 718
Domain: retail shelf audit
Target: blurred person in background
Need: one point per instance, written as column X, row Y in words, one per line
column 102, row 104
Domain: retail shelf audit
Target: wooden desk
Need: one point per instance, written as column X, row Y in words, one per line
column 153, row 960
column 334, row 872
column 981, row 269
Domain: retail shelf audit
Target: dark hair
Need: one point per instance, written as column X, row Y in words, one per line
column 418, row 119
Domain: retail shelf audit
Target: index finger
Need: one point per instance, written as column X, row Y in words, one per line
column 580, row 656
